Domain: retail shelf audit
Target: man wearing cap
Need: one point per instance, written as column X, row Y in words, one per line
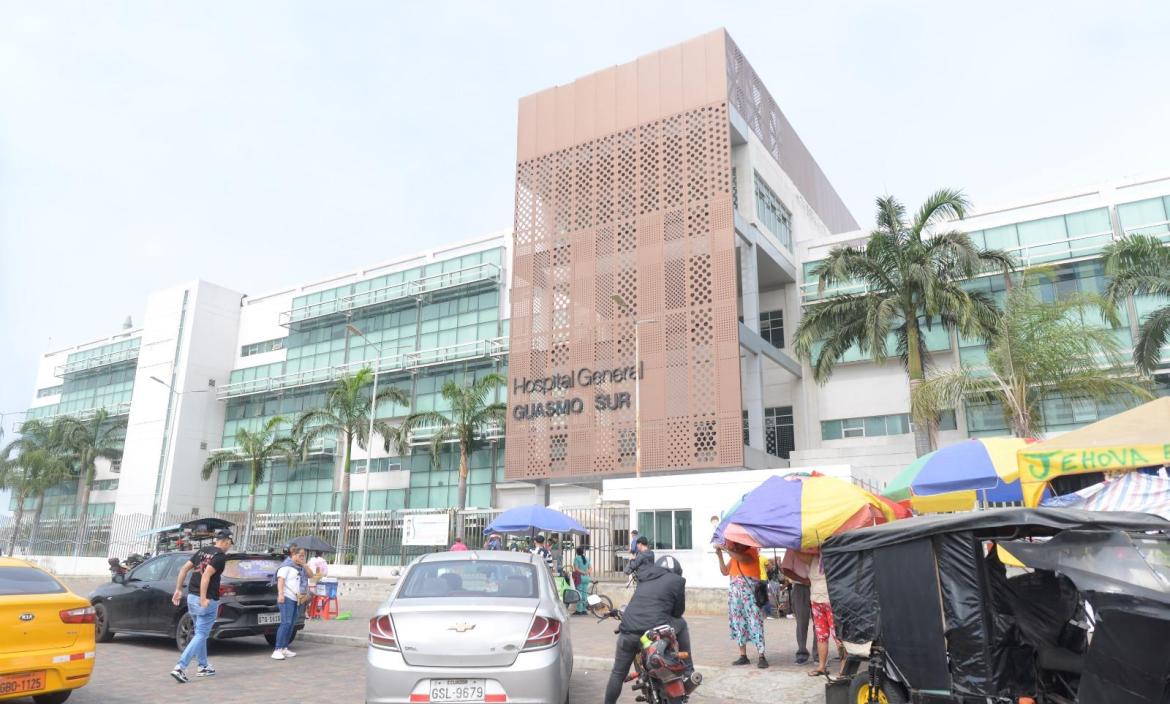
column 202, row 602
column 543, row 553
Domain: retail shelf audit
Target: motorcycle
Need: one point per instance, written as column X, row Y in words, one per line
column 659, row 674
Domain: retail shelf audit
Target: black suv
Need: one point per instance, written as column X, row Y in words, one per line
column 140, row 601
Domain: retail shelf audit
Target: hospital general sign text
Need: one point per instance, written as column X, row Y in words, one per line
column 583, row 378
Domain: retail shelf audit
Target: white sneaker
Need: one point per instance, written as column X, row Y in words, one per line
column 277, row 655
column 288, row 653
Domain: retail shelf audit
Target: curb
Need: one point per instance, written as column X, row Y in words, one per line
column 331, row 639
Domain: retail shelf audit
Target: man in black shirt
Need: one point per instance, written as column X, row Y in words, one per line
column 660, row 598
column 206, row 568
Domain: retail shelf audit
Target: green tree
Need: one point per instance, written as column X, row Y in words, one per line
column 255, row 449
column 1037, row 350
column 1140, row 265
column 472, row 412
column 87, row 441
column 910, row 273
column 346, row 418
column 31, row 465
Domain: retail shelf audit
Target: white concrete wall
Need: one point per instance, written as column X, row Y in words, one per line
column 706, row 495
column 147, row 421
column 209, row 352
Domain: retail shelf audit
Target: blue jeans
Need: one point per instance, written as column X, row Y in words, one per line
column 288, row 619
column 204, row 619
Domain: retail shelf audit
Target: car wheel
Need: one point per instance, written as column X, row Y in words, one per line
column 52, row 697
column 101, row 620
column 184, row 630
column 887, row 692
column 602, row 607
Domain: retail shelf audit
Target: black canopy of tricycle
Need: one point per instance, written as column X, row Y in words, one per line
column 943, row 606
column 993, row 523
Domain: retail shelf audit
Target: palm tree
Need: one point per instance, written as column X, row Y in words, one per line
column 31, row 465
column 912, row 279
column 346, row 418
column 1038, row 350
column 87, row 441
column 471, row 413
column 255, row 449
column 1140, row 264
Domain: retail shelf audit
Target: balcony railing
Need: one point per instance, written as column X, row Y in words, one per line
column 118, row 409
column 104, row 360
column 1027, row 255
column 406, row 289
column 423, row 434
column 404, row 361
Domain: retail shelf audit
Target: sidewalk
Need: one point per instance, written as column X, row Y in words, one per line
column 593, row 644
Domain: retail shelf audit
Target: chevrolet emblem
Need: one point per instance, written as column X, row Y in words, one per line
column 461, row 627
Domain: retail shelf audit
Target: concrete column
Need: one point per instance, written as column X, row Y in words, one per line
column 751, row 365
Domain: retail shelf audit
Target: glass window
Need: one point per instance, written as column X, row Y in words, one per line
column 853, row 427
column 666, row 530
column 474, row 578
column 1144, row 216
column 772, row 327
column 27, row 580
column 149, row 572
column 831, row 430
column 772, row 213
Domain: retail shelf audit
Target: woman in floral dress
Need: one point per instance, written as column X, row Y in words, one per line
column 742, row 567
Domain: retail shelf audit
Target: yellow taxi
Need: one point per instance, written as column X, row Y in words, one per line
column 47, row 644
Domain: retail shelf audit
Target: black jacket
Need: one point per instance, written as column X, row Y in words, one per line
column 660, row 597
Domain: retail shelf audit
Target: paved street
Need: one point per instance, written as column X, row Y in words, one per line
column 246, row 673
column 133, row 670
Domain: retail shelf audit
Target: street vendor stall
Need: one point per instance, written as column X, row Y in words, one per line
column 187, row 535
column 1139, row 437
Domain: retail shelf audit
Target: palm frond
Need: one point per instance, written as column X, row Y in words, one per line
column 943, row 204
column 1152, row 337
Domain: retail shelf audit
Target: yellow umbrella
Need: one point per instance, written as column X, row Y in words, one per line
column 1139, row 437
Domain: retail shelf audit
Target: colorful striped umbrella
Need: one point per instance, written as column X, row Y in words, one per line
column 1131, row 492
column 953, row 477
column 800, row 512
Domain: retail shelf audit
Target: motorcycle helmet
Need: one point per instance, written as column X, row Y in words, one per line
column 671, row 563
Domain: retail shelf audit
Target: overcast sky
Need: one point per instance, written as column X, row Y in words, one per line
column 260, row 144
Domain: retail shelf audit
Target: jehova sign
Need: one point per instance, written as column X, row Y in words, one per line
column 582, row 378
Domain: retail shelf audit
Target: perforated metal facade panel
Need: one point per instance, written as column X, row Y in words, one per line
column 623, row 187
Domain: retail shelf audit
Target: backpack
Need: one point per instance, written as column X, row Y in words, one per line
column 760, row 592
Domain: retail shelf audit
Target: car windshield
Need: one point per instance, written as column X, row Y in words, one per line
column 27, row 580
column 251, row 567
column 470, row 578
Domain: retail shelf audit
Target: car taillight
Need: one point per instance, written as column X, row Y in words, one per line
column 227, row 589
column 544, row 633
column 83, row 615
column 382, row 633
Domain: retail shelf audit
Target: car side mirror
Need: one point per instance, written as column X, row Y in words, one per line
column 571, row 596
column 119, row 579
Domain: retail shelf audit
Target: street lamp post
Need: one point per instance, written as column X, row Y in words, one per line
column 621, row 303
column 361, row 552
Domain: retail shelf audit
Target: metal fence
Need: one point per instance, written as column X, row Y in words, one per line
column 120, row 535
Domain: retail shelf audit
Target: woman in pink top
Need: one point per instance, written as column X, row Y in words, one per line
column 458, row 546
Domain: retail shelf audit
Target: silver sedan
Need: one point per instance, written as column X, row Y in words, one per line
column 472, row 626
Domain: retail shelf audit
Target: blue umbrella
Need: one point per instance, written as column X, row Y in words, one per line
column 527, row 519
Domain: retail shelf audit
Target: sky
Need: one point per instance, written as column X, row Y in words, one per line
column 260, row 144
